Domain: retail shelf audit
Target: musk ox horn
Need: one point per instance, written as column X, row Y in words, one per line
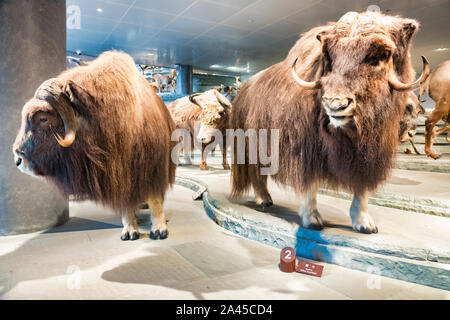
column 400, row 86
column 191, row 99
column 52, row 92
column 304, row 84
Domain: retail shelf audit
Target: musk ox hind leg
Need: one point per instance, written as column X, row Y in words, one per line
column 262, row 195
column 438, row 113
column 130, row 229
column 361, row 220
column 158, row 219
column 309, row 215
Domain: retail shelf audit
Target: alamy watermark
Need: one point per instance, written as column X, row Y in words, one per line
column 73, row 15
column 246, row 147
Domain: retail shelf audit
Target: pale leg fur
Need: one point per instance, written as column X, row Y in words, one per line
column 361, row 220
column 158, row 219
column 130, row 229
column 262, row 195
column 310, row 216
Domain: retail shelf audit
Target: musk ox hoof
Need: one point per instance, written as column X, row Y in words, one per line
column 133, row 235
column 203, row 166
column 433, row 155
column 312, row 221
column 226, row 166
column 266, row 204
column 365, row 229
column 155, row 235
column 364, row 223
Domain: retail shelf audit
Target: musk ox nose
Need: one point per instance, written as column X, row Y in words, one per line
column 18, row 161
column 337, row 103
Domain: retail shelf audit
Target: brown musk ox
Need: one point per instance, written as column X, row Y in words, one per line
column 213, row 113
column 438, row 88
column 337, row 100
column 100, row 132
column 408, row 122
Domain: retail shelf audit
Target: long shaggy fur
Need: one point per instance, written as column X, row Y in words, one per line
column 121, row 154
column 356, row 158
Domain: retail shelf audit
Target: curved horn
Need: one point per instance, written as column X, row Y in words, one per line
column 400, row 86
column 304, row 84
column 191, row 99
column 51, row 91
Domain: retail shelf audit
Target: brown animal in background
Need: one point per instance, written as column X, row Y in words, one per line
column 164, row 82
column 408, row 123
column 438, row 88
column 337, row 100
column 116, row 146
column 213, row 111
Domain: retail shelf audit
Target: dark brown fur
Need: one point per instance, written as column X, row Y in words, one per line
column 121, row 154
column 356, row 157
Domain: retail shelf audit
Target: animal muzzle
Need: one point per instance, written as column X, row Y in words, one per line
column 22, row 163
column 205, row 134
column 339, row 109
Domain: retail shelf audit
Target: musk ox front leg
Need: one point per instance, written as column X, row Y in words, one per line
column 158, row 219
column 361, row 220
column 203, row 165
column 130, row 229
column 223, row 147
column 310, row 216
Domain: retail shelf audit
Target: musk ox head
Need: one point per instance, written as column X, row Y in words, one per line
column 49, row 125
column 408, row 123
column 363, row 58
column 215, row 114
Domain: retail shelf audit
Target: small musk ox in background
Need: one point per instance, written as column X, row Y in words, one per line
column 213, row 111
column 408, row 123
column 438, row 88
column 100, row 132
column 337, row 100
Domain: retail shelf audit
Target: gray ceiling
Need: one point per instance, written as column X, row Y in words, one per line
column 235, row 35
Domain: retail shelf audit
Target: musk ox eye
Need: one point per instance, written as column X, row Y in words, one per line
column 43, row 120
column 374, row 58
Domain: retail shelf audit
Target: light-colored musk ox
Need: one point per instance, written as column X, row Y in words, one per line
column 408, row 122
column 337, row 100
column 166, row 82
column 438, row 88
column 116, row 146
column 213, row 111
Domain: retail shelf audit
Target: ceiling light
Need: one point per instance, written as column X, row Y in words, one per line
column 440, row 49
column 233, row 68
column 99, row 10
column 215, row 66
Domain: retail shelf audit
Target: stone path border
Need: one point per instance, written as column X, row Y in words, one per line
column 417, row 265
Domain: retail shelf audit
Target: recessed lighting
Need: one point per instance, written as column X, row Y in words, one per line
column 215, row 66
column 99, row 10
column 440, row 49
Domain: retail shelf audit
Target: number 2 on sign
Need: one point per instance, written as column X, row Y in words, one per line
column 288, row 254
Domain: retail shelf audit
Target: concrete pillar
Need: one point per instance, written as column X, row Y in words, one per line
column 32, row 49
column 184, row 79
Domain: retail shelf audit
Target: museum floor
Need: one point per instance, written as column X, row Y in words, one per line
column 85, row 259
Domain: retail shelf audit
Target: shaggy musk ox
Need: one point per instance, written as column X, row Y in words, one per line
column 116, row 146
column 337, row 100
column 213, row 111
column 408, row 122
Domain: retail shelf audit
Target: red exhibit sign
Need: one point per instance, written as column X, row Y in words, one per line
column 309, row 268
